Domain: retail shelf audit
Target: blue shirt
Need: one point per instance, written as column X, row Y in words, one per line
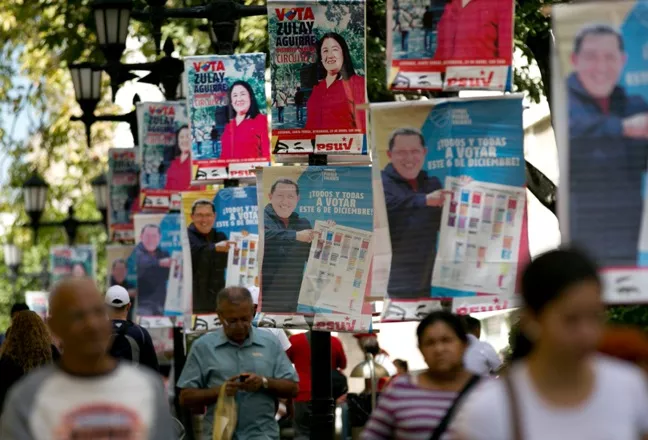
column 214, row 358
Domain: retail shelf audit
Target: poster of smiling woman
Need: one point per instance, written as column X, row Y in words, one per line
column 164, row 154
column 228, row 115
column 317, row 63
column 317, row 242
column 601, row 81
column 453, row 185
column 76, row 261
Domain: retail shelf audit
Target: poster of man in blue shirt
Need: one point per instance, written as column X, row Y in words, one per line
column 608, row 149
column 414, row 202
column 153, row 265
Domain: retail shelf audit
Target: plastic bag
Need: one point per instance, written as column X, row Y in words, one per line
column 225, row 416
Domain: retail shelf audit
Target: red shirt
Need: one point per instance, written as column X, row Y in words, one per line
column 178, row 176
column 481, row 30
column 336, row 107
column 300, row 355
column 247, row 140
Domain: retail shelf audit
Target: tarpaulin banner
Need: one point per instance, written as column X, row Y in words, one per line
column 317, row 244
column 123, row 193
column 164, row 154
column 228, row 115
column 212, row 219
column 600, row 77
column 158, row 258
column 38, row 302
column 77, row 261
column 453, row 181
column 317, row 62
column 450, row 44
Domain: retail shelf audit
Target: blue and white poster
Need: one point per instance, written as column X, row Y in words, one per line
column 158, row 258
column 601, row 81
column 453, row 181
column 317, row 240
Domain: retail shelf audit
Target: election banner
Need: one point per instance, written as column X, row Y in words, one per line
column 600, row 80
column 122, row 270
column 123, row 193
column 317, row 63
column 450, row 44
column 242, row 262
column 164, row 154
column 158, row 262
column 316, row 244
column 453, row 179
column 228, row 116
column 215, row 225
column 77, row 261
column 38, row 302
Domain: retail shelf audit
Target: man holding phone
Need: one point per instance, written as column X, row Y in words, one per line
column 248, row 362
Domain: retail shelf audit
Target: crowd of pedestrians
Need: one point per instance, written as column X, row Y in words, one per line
column 570, row 377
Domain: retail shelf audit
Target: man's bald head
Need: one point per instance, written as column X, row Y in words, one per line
column 79, row 318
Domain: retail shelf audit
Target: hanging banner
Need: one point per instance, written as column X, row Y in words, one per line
column 123, row 193
column 158, row 259
column 453, row 179
column 77, row 261
column 165, row 154
column 450, row 44
column 38, row 302
column 212, row 222
column 601, row 93
column 317, row 244
column 242, row 262
column 317, row 63
column 228, row 116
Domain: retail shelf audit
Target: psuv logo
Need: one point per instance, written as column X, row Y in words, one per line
column 290, row 14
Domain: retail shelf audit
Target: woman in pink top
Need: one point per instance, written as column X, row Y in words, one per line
column 246, row 134
column 334, row 101
column 178, row 176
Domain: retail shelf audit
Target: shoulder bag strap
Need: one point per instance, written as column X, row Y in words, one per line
column 514, row 407
column 442, row 427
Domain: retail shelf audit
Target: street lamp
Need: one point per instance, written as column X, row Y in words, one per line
column 168, row 73
column 86, row 79
column 100, row 189
column 12, row 259
column 112, row 18
column 35, row 193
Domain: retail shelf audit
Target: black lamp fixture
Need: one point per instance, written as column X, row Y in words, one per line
column 167, row 73
column 12, row 259
column 35, row 194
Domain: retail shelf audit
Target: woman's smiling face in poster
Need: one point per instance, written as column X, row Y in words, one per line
column 332, row 56
column 184, row 140
column 240, row 100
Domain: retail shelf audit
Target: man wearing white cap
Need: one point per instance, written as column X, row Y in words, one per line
column 130, row 341
column 279, row 333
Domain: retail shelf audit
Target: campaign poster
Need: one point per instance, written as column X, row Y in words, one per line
column 123, row 193
column 242, row 261
column 317, row 243
column 76, row 261
column 158, row 262
column 212, row 220
column 453, row 179
column 600, row 78
column 450, row 45
column 164, row 154
column 317, row 63
column 122, row 269
column 228, row 116
column 38, row 302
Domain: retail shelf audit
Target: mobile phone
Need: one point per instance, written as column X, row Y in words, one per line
column 243, row 377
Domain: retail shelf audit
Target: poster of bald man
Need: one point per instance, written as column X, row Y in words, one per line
column 158, row 260
column 601, row 120
column 453, row 196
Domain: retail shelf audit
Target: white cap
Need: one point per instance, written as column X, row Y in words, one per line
column 117, row 296
column 254, row 291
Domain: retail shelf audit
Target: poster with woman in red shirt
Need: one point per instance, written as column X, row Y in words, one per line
column 318, row 77
column 450, row 44
column 228, row 121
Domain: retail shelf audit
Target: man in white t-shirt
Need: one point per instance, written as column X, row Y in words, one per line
column 480, row 357
column 88, row 394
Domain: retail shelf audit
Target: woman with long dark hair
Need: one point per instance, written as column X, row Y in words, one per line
column 246, row 134
column 561, row 388
column 335, row 100
column 420, row 405
column 27, row 347
column 178, row 176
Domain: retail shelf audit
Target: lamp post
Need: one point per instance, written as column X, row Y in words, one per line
column 35, row 194
column 13, row 260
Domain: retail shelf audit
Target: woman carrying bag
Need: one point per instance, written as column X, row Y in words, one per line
column 420, row 406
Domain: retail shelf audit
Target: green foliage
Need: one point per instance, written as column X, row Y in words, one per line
column 629, row 315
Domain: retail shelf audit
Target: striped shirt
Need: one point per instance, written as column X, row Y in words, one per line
column 407, row 411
